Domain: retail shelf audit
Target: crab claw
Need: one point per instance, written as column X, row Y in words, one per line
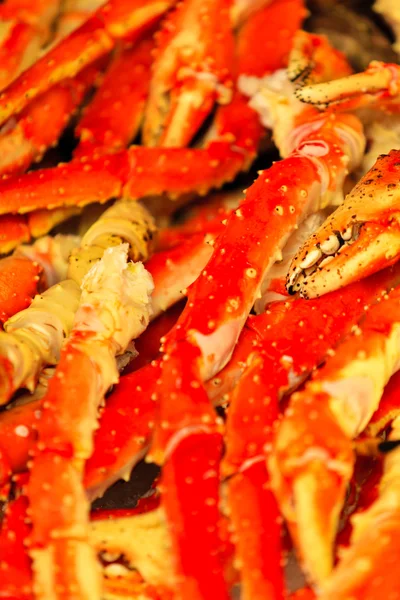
column 361, row 237
column 376, row 86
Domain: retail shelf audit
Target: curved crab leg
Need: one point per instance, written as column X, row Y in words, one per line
column 115, row 20
column 361, row 237
column 113, row 293
column 312, row 460
column 190, row 73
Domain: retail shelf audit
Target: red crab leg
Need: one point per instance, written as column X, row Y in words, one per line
column 175, row 269
column 88, row 368
column 179, row 171
column 27, row 25
column 280, row 363
column 148, row 344
column 19, row 282
column 189, row 73
column 114, row 116
column 205, row 217
column 115, row 20
column 256, row 521
column 15, row 565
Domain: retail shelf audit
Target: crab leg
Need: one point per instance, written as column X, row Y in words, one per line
column 114, row 116
column 313, row 458
column 190, row 74
column 15, row 567
column 112, row 293
column 359, row 238
column 115, row 20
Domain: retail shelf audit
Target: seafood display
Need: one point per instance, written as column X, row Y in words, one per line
column 199, row 300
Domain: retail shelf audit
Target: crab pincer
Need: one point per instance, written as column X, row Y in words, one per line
column 361, row 237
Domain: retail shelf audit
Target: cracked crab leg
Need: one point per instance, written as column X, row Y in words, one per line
column 113, row 292
column 312, row 460
column 33, row 338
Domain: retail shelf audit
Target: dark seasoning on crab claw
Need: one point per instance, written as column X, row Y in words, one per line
column 163, row 397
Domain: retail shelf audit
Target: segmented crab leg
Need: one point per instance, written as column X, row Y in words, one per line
column 312, row 460
column 115, row 20
column 361, row 236
column 26, row 27
column 189, row 74
column 113, row 293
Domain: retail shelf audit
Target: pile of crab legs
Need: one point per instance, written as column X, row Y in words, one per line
column 225, row 483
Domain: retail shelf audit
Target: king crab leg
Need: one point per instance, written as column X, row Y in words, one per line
column 312, row 460
column 114, row 289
